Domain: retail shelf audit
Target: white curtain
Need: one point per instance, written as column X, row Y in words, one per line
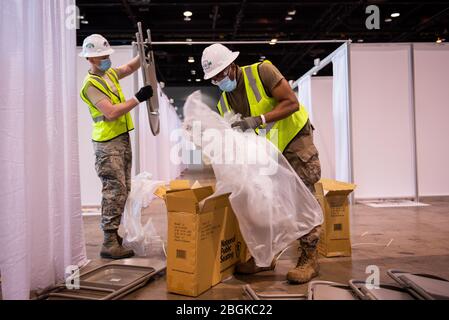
column 40, row 209
column 305, row 94
column 155, row 151
column 341, row 114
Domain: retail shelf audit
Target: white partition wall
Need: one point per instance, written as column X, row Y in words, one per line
column 399, row 106
column 324, row 136
column 382, row 121
column 432, row 117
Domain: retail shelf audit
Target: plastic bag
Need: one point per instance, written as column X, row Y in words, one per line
column 272, row 204
column 142, row 239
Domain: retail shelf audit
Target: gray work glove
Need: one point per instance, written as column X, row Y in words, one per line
column 248, row 123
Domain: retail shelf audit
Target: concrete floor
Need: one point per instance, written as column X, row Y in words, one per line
column 418, row 237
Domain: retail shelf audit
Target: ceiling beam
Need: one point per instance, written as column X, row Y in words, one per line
column 129, row 12
column 238, row 19
column 214, row 19
column 422, row 25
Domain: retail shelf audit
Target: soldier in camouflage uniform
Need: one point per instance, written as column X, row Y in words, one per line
column 277, row 102
column 109, row 109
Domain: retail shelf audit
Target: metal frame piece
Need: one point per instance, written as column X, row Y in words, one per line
column 262, row 296
column 413, row 288
column 98, row 290
column 149, row 77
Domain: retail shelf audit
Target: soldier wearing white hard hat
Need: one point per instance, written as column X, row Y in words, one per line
column 261, row 94
column 111, row 122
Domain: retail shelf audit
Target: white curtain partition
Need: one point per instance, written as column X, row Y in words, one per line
column 432, row 114
column 340, row 102
column 155, row 151
column 382, row 120
column 323, row 121
column 40, row 209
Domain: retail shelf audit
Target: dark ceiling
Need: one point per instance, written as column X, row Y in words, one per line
column 419, row 21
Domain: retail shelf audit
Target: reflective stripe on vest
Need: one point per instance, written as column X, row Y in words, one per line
column 279, row 133
column 223, row 102
column 104, row 130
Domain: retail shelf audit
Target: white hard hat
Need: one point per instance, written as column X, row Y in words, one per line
column 96, row 46
column 215, row 59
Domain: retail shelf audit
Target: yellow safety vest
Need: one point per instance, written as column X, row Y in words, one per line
column 279, row 133
column 104, row 130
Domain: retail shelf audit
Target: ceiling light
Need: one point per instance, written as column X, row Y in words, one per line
column 193, row 72
column 360, row 40
column 439, row 40
column 191, row 60
column 189, row 80
column 388, row 20
column 292, row 12
column 188, row 13
column 273, row 41
column 288, row 18
column 84, row 22
column 187, row 19
column 80, row 17
column 198, row 80
column 395, row 14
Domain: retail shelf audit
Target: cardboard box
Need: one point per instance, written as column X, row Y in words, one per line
column 336, row 236
column 204, row 240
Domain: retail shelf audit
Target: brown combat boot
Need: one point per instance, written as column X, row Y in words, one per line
column 112, row 249
column 306, row 268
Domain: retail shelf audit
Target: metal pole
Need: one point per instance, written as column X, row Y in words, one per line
column 350, row 147
column 323, row 63
column 413, row 110
column 189, row 43
column 136, row 121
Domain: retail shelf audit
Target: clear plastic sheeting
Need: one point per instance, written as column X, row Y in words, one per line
column 144, row 240
column 272, row 204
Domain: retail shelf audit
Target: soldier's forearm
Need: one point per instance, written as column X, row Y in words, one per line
column 282, row 110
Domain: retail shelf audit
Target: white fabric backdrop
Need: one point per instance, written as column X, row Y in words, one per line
column 432, row 114
column 40, row 223
column 305, row 94
column 155, row 151
column 340, row 104
column 323, row 121
column 382, row 120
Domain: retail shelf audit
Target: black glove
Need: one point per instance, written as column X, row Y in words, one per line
column 144, row 93
column 248, row 123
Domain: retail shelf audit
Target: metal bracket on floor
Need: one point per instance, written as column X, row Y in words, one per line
column 111, row 281
column 264, row 296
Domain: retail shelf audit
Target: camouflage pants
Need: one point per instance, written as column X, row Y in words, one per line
column 310, row 240
column 302, row 155
column 113, row 165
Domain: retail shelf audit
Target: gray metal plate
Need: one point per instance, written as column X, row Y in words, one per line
column 331, row 292
column 439, row 289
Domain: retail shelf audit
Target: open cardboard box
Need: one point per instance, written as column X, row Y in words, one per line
column 204, row 240
column 333, row 197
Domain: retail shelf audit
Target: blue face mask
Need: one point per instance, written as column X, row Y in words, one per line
column 227, row 85
column 105, row 65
